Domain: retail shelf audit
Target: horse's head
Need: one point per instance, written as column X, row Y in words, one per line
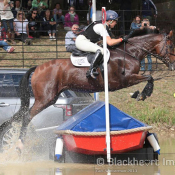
column 165, row 50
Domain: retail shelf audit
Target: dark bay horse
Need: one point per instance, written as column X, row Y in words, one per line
column 53, row 77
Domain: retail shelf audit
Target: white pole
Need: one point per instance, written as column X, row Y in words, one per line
column 108, row 142
column 93, row 10
column 96, row 95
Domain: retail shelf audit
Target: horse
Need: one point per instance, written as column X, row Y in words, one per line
column 53, row 77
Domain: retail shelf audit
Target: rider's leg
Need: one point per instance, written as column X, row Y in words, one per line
column 92, row 72
column 82, row 43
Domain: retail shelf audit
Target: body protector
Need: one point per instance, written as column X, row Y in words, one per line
column 91, row 35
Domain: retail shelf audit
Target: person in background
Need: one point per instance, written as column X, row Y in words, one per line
column 34, row 24
column 16, row 8
column 3, row 41
column 21, row 28
column 70, row 38
column 147, row 6
column 39, row 3
column 7, row 16
column 41, row 6
column 57, row 14
column 28, row 8
column 146, row 23
column 70, row 19
column 49, row 25
column 136, row 24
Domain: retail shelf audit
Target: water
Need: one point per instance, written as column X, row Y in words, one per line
column 40, row 166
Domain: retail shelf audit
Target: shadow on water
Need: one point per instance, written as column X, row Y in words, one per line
column 42, row 166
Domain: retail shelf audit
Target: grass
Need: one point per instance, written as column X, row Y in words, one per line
column 159, row 108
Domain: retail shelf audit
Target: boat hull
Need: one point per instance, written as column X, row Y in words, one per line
column 91, row 145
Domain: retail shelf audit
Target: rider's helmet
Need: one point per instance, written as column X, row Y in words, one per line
column 111, row 15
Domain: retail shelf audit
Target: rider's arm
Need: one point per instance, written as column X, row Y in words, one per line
column 112, row 42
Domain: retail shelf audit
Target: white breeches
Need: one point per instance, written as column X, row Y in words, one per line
column 84, row 44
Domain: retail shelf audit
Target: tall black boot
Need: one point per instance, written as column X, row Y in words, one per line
column 92, row 72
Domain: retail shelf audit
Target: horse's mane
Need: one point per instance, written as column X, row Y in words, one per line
column 144, row 31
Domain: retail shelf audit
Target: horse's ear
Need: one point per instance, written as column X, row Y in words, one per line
column 170, row 34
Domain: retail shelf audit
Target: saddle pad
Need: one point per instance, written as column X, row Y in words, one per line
column 82, row 61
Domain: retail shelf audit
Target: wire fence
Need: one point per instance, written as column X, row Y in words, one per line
column 44, row 49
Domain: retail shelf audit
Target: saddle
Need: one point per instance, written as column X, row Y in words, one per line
column 83, row 59
column 78, row 52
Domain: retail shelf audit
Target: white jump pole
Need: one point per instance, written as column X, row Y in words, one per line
column 108, row 142
column 96, row 95
column 93, row 10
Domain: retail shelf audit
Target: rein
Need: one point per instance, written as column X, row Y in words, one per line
column 155, row 55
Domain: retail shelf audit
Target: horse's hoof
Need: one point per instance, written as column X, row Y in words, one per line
column 135, row 94
column 141, row 97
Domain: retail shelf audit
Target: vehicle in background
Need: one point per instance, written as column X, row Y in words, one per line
column 43, row 124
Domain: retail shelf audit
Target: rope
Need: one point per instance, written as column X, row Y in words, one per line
column 70, row 132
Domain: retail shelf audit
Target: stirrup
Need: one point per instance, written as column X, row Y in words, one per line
column 92, row 73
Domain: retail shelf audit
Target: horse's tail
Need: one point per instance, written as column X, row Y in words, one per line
column 24, row 89
column 24, row 96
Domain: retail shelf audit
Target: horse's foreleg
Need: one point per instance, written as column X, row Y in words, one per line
column 147, row 91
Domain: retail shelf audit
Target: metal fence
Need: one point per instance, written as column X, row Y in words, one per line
column 43, row 49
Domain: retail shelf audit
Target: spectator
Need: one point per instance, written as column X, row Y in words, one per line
column 3, row 40
column 21, row 28
column 70, row 38
column 41, row 5
column 136, row 24
column 57, row 14
column 146, row 23
column 7, row 15
column 70, row 19
column 16, row 8
column 49, row 25
column 34, row 24
column 25, row 3
column 28, row 8
column 29, row 5
column 147, row 6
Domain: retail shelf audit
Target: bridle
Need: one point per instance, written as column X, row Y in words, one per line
column 165, row 57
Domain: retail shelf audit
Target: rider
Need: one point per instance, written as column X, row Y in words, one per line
column 94, row 33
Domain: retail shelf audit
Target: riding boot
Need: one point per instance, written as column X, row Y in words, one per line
column 92, row 72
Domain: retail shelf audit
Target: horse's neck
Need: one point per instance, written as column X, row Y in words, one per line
column 142, row 46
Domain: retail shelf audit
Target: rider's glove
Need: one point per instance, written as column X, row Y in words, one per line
column 125, row 39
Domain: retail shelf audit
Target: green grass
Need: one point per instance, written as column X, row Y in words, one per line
column 157, row 109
